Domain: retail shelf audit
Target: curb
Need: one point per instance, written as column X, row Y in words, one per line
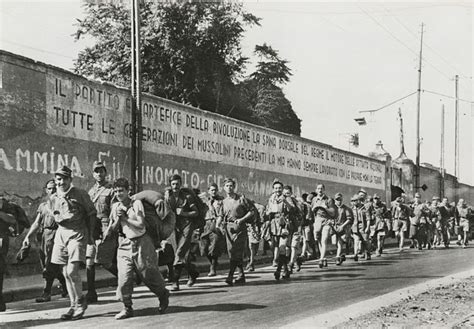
column 345, row 314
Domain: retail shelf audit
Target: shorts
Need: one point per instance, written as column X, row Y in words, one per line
column 413, row 231
column 319, row 222
column 400, row 225
column 69, row 246
column 296, row 240
column 91, row 251
column 308, row 233
column 464, row 223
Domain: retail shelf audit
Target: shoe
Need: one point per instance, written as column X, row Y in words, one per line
column 321, row 263
column 192, row 279
column 164, row 301
column 338, row 260
column 126, row 313
column 343, row 257
column 291, row 267
column 325, row 262
column 420, row 247
column 275, row 263
column 286, row 275
column 68, row 314
column 250, row 268
column 299, row 262
column 175, row 286
column 464, row 246
column 378, row 254
column 80, row 309
column 429, row 246
column 277, row 276
column 211, row 274
column 229, row 281
column 91, row 297
column 43, row 299
column 240, row 280
column 368, row 257
column 356, row 258
column 458, row 243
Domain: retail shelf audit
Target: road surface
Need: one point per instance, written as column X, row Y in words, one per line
column 261, row 302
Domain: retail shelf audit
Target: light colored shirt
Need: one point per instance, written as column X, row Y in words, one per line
column 134, row 212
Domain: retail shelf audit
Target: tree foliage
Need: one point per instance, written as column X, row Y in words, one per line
column 190, row 53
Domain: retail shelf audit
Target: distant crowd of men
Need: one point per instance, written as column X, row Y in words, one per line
column 132, row 235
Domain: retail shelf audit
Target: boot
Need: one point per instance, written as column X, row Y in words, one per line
column 164, row 301
column 241, row 276
column 91, row 296
column 212, row 268
column 177, row 271
column 278, row 269
column 230, row 277
column 46, row 297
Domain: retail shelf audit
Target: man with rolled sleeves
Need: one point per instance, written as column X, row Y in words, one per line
column 136, row 251
column 101, row 195
column 360, row 228
column 342, row 226
column 463, row 226
column 400, row 215
column 324, row 212
column 75, row 214
column 184, row 205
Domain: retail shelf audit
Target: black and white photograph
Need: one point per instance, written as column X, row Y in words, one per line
column 236, row 164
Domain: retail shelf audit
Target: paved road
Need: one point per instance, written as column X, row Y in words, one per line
column 261, row 302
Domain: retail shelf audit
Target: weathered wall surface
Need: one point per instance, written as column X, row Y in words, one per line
column 50, row 117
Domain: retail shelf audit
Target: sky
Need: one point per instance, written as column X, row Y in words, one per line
column 345, row 57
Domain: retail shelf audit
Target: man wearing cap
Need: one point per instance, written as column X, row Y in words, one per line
column 464, row 215
column 360, row 227
column 382, row 223
column 449, row 216
column 278, row 211
column 400, row 215
column 324, row 212
column 418, row 218
column 436, row 222
column 101, row 195
column 342, row 226
column 12, row 216
column 184, row 205
column 75, row 215
column 46, row 226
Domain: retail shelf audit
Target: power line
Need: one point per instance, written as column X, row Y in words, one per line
column 391, row 103
column 37, row 49
column 447, row 96
column 425, row 43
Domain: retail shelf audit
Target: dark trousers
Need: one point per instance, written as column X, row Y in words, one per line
column 4, row 242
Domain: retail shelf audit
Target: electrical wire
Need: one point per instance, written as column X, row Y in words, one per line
column 391, row 103
column 37, row 49
column 447, row 96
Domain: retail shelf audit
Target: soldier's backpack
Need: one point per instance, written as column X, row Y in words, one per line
column 21, row 218
column 160, row 221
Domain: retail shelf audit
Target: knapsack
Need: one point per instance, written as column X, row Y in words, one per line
column 200, row 220
column 159, row 220
column 21, row 218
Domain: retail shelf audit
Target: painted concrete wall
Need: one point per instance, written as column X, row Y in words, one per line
column 50, row 117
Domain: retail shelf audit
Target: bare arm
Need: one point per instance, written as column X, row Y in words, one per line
column 33, row 229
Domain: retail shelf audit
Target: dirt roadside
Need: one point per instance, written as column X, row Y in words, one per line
column 447, row 306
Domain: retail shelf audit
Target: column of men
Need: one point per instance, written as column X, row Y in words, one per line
column 107, row 226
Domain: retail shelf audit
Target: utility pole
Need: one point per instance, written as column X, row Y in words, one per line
column 417, row 170
column 456, row 127
column 441, row 159
column 136, row 143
